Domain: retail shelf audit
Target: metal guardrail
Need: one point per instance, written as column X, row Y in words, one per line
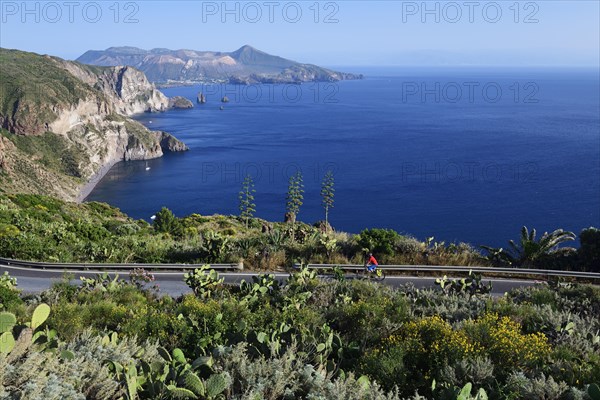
column 240, row 266
column 449, row 268
column 114, row 267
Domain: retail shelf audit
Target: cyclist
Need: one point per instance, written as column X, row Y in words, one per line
column 372, row 263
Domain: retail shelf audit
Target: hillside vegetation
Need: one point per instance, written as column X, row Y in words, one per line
column 42, row 228
column 34, row 88
column 304, row 339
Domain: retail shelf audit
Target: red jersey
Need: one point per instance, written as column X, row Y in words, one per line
column 373, row 261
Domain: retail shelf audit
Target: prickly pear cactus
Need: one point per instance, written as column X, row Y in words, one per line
column 180, row 393
column 40, row 315
column 192, row 382
column 7, row 321
column 217, row 384
column 7, row 340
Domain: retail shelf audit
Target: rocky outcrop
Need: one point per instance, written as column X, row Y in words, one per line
column 83, row 112
column 179, row 102
column 127, row 89
column 134, row 93
column 201, row 98
column 169, row 142
column 3, row 165
column 80, row 95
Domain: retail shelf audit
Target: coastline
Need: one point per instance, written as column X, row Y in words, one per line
column 89, row 186
column 176, row 84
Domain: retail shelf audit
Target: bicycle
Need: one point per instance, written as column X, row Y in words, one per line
column 377, row 275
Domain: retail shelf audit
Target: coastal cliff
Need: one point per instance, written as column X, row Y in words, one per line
column 64, row 124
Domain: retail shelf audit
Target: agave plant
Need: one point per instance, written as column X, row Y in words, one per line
column 276, row 239
column 529, row 250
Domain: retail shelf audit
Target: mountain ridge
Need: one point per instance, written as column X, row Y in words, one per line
column 245, row 65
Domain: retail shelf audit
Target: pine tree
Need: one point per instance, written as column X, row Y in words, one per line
column 295, row 196
column 247, row 206
column 327, row 194
column 166, row 222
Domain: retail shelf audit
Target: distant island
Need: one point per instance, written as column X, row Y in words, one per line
column 246, row 65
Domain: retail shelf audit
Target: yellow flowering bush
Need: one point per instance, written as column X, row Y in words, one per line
column 417, row 351
column 433, row 334
column 504, row 342
column 422, row 348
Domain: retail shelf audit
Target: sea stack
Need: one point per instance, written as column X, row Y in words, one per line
column 201, row 98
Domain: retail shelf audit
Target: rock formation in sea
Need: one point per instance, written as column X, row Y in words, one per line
column 179, row 102
column 171, row 143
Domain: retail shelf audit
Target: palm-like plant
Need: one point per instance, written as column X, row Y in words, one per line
column 529, row 250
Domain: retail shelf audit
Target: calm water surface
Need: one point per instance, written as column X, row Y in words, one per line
column 461, row 155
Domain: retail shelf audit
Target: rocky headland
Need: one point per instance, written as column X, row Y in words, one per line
column 65, row 124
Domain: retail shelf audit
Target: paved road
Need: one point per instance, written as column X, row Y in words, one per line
column 30, row 280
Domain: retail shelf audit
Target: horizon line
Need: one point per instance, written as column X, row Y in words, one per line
column 352, row 65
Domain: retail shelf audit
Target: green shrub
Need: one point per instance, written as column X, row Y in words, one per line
column 214, row 247
column 166, row 222
column 385, row 364
column 6, row 281
column 69, row 319
column 365, row 313
column 207, row 326
column 288, row 376
column 545, row 296
column 452, row 308
column 106, row 315
column 8, row 231
column 60, row 290
column 404, row 337
column 90, row 231
column 9, row 298
column 379, row 241
column 477, row 370
column 44, row 375
column 519, row 386
column 31, row 200
column 156, row 323
column 408, row 245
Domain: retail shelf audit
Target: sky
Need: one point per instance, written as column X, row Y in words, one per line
column 329, row 33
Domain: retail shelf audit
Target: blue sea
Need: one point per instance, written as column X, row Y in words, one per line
column 458, row 154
